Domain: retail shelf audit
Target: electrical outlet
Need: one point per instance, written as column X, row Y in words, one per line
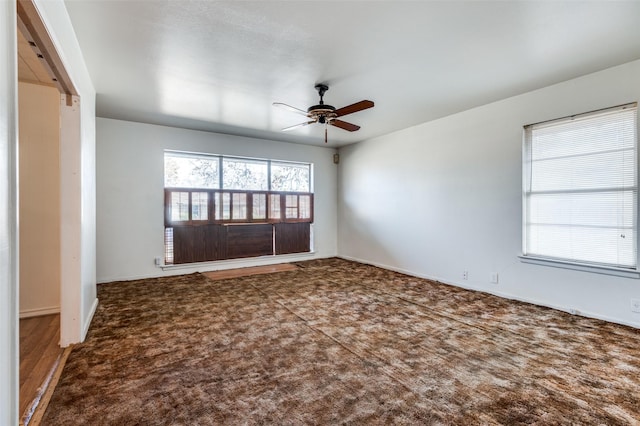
column 465, row 275
column 635, row 305
column 494, row 277
column 157, row 261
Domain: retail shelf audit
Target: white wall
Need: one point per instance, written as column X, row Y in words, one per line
column 39, row 153
column 130, row 191
column 8, row 216
column 77, row 169
column 445, row 196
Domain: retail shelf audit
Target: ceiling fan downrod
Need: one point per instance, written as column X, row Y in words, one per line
column 322, row 89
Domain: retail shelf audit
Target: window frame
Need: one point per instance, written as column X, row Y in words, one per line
column 569, row 263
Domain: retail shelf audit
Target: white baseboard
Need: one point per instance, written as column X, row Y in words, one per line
column 28, row 313
column 219, row 265
column 87, row 322
column 495, row 293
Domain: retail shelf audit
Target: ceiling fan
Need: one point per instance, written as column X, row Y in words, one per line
column 326, row 114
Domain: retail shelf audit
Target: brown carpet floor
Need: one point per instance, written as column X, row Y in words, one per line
column 337, row 342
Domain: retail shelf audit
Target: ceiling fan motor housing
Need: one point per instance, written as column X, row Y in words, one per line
column 322, row 112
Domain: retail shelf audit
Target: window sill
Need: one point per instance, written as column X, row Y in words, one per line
column 242, row 262
column 584, row 267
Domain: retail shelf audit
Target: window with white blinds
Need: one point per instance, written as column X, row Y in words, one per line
column 580, row 188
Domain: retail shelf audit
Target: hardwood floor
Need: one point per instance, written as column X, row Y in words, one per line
column 39, row 354
column 255, row 270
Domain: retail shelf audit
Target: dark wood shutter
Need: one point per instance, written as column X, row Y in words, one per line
column 220, row 224
column 249, row 240
column 292, row 237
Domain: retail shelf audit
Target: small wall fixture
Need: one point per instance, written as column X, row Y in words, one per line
column 336, row 158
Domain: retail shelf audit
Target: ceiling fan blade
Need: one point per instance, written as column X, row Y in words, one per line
column 295, row 126
column 344, row 125
column 350, row 109
column 290, row 108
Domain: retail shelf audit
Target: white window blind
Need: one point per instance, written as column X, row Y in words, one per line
column 580, row 188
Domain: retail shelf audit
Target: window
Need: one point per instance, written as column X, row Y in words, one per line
column 199, row 206
column 239, row 206
column 188, row 170
column 246, row 174
column 183, row 170
column 179, row 206
column 259, row 203
column 292, row 177
column 580, row 188
column 219, row 207
column 275, row 204
column 297, row 206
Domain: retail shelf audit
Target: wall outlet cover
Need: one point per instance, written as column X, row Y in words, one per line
column 635, row 305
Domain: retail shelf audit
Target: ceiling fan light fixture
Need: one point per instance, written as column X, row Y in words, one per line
column 327, row 114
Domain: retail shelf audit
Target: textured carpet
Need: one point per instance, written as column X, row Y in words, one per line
column 338, row 342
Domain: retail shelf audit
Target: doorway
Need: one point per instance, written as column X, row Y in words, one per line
column 43, row 90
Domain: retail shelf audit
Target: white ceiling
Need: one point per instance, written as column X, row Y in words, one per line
column 218, row 66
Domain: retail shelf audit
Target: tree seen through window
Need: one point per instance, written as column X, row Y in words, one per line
column 185, row 170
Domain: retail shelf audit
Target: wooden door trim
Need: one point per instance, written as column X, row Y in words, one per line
column 34, row 30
